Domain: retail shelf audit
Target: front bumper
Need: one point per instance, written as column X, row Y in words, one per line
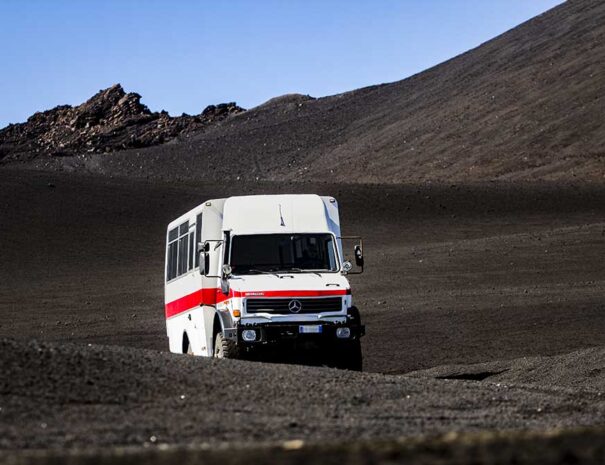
column 274, row 333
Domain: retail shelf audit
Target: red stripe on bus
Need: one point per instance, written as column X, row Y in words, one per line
column 212, row 296
column 206, row 296
column 292, row 294
column 184, row 303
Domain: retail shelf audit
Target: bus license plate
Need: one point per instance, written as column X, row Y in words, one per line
column 309, row 329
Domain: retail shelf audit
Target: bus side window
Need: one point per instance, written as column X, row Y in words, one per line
column 198, row 238
column 179, row 241
column 191, row 251
column 183, row 248
column 171, row 262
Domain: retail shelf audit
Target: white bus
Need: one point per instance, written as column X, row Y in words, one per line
column 251, row 273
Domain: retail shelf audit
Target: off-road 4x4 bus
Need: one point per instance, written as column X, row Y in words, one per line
column 247, row 274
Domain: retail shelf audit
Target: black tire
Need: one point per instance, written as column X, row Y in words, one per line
column 348, row 356
column 224, row 348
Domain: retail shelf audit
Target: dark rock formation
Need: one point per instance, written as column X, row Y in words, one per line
column 111, row 120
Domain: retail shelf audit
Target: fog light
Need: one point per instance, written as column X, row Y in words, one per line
column 249, row 335
column 343, row 333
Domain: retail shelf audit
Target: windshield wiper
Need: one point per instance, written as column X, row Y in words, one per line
column 299, row 270
column 254, row 270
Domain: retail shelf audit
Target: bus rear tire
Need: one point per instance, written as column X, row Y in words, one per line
column 224, row 348
column 187, row 349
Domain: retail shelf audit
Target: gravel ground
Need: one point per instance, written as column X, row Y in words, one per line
column 507, row 276
column 455, row 274
column 554, row 447
column 69, row 395
column 582, row 370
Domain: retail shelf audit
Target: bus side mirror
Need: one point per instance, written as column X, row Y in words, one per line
column 225, row 279
column 358, row 256
column 203, row 257
column 202, row 261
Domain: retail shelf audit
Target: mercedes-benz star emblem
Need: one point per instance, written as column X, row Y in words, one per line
column 295, row 306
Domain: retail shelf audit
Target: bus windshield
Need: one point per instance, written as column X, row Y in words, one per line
column 273, row 253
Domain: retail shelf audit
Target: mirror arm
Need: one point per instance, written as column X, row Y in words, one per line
column 203, row 249
column 357, row 247
column 356, row 272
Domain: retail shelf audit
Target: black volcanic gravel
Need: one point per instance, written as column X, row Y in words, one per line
column 455, row 274
column 448, row 267
column 57, row 395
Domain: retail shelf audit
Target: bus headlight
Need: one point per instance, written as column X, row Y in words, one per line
column 249, row 335
column 343, row 333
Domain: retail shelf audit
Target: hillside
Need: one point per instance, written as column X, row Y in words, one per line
column 526, row 105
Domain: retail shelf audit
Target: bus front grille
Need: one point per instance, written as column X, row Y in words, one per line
column 294, row 305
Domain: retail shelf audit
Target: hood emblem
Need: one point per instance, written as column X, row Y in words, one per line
column 295, row 306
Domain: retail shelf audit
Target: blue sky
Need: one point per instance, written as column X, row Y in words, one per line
column 183, row 55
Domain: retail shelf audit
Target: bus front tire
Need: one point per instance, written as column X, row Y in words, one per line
column 224, row 348
column 348, row 356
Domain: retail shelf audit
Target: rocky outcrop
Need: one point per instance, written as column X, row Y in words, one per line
column 111, row 120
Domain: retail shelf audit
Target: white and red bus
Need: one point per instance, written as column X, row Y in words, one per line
column 248, row 273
